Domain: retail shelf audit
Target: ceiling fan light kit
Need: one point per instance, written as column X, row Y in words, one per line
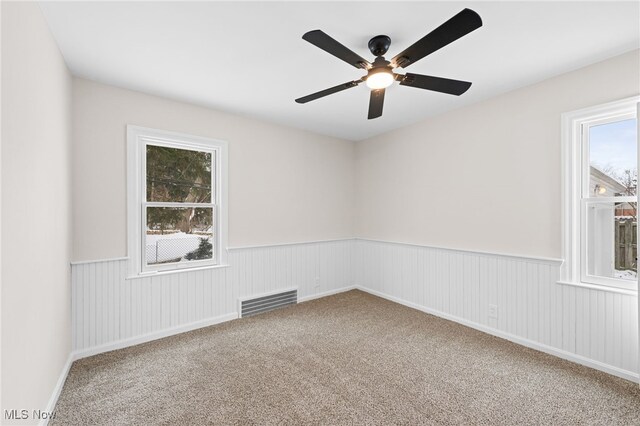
column 380, row 72
column 379, row 78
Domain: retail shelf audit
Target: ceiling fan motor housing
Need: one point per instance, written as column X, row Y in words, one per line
column 380, row 62
column 380, row 65
column 379, row 45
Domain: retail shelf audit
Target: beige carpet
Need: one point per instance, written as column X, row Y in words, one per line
column 347, row 359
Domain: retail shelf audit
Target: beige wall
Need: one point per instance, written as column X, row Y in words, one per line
column 485, row 177
column 285, row 185
column 36, row 208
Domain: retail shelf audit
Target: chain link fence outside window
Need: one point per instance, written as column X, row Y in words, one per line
column 173, row 247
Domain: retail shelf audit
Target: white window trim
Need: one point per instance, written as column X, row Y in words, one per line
column 572, row 189
column 136, row 177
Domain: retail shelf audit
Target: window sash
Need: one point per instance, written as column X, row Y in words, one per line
column 585, row 247
column 137, row 140
column 585, row 146
column 586, row 199
column 215, row 194
column 573, row 126
column 174, row 204
column 178, row 265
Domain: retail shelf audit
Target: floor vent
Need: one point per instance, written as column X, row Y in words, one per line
column 262, row 304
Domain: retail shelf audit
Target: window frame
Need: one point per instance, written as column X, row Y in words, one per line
column 137, row 140
column 575, row 191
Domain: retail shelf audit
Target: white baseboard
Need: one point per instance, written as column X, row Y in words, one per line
column 120, row 344
column 629, row 375
column 51, row 405
column 625, row 374
column 325, row 294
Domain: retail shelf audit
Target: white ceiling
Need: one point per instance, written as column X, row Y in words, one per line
column 249, row 58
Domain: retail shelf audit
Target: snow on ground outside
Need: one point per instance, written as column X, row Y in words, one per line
column 162, row 248
column 625, row 275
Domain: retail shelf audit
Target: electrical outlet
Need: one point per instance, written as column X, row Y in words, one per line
column 493, row 311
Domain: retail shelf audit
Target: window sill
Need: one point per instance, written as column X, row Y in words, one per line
column 175, row 271
column 590, row 286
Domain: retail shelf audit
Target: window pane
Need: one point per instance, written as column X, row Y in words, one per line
column 178, row 175
column 179, row 234
column 614, row 159
column 612, row 245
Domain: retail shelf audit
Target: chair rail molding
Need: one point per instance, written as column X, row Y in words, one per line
column 585, row 325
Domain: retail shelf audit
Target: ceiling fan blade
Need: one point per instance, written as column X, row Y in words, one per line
column 376, row 102
column 328, row 44
column 437, row 84
column 329, row 91
column 461, row 24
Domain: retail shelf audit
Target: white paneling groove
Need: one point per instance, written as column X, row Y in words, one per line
column 511, row 337
column 592, row 327
column 111, row 311
column 588, row 326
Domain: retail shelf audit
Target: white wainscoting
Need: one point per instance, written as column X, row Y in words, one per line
column 110, row 311
column 592, row 327
column 589, row 326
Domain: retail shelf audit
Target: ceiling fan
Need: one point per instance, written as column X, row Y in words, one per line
column 380, row 73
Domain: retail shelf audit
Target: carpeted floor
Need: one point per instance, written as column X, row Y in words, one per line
column 347, row 359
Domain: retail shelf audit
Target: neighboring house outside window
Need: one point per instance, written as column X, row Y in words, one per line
column 176, row 201
column 600, row 160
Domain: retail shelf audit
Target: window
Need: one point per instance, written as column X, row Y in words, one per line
column 600, row 149
column 177, row 201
